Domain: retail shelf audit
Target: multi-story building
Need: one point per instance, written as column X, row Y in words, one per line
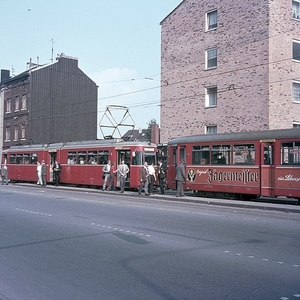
column 52, row 103
column 230, row 66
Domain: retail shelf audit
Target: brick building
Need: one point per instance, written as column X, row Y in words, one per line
column 230, row 66
column 52, row 103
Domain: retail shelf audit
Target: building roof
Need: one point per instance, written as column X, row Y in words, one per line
column 136, row 135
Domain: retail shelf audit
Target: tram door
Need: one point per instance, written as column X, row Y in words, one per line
column 177, row 154
column 267, row 172
column 123, row 155
column 51, row 163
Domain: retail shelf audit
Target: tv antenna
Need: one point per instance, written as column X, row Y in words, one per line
column 52, row 42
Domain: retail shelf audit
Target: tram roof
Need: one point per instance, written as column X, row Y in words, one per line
column 106, row 143
column 238, row 136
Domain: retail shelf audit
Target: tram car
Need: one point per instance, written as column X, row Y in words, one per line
column 82, row 162
column 243, row 165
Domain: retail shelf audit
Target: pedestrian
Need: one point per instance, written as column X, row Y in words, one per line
column 39, row 173
column 44, row 173
column 113, row 172
column 4, row 174
column 161, row 176
column 144, row 174
column 151, row 178
column 57, row 171
column 180, row 178
column 106, row 174
column 122, row 173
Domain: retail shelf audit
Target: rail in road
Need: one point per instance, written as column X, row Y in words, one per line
column 278, row 204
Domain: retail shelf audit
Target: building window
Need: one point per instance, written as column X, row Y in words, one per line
column 211, row 58
column 296, row 9
column 296, row 124
column 23, row 103
column 211, row 129
column 296, row 92
column 16, row 133
column 23, row 132
column 7, row 134
column 17, row 103
column 296, row 50
column 211, row 20
column 211, row 97
column 8, row 105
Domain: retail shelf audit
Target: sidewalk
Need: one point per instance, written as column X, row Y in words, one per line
column 170, row 195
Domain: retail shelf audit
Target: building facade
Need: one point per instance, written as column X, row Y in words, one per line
column 52, row 103
column 230, row 66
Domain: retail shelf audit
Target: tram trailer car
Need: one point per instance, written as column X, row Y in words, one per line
column 244, row 165
column 82, row 162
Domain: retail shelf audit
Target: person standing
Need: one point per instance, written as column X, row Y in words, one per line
column 39, row 173
column 44, row 172
column 106, row 174
column 180, row 178
column 144, row 174
column 161, row 176
column 151, row 178
column 4, row 174
column 113, row 171
column 122, row 173
column 57, row 172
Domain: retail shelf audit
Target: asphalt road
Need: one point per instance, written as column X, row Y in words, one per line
column 72, row 244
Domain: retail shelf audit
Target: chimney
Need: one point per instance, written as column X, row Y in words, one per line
column 155, row 134
column 5, row 74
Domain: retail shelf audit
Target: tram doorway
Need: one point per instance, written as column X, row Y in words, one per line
column 123, row 155
column 267, row 172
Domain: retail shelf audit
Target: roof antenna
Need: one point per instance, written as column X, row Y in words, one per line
column 52, row 50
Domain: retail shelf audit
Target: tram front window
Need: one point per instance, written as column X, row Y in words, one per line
column 150, row 158
column 137, row 158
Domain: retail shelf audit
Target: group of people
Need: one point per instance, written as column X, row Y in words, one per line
column 147, row 177
column 109, row 173
column 41, row 173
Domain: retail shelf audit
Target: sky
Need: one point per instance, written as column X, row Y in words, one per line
column 117, row 43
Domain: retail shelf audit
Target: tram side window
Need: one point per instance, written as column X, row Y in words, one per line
column 221, row 155
column 92, row 157
column 103, row 157
column 290, row 153
column 34, row 158
column 13, row 159
column 72, row 158
column 244, row 154
column 200, row 155
column 82, row 157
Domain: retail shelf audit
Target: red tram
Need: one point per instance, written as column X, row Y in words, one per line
column 247, row 164
column 81, row 162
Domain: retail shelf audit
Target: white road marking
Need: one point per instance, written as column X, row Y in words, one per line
column 120, row 230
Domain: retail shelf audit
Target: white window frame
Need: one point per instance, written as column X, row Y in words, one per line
column 211, row 58
column 211, row 129
column 24, row 102
column 296, row 124
column 211, row 94
column 16, row 133
column 296, row 50
column 211, row 20
column 17, row 103
column 296, row 92
column 7, row 134
column 23, row 132
column 296, row 9
column 8, row 106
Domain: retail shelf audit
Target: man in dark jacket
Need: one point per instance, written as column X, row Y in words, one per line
column 180, row 178
column 57, row 171
column 161, row 176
